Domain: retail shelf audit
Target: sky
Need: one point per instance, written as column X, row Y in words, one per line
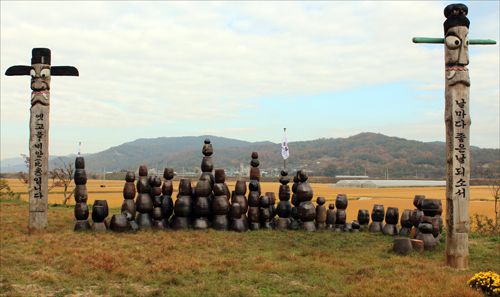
column 242, row 70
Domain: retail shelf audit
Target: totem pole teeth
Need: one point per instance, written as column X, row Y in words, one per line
column 450, row 74
column 46, row 95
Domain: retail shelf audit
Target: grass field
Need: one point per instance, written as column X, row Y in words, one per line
column 211, row 263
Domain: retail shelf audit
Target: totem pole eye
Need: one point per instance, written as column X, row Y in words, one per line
column 452, row 42
column 32, row 73
column 45, row 73
column 466, row 41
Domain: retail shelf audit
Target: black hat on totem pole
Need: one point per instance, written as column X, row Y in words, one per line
column 40, row 55
column 456, row 15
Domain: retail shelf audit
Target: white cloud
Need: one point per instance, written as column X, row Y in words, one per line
column 164, row 62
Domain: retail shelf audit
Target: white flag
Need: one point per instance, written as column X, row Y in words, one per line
column 284, row 147
column 80, row 150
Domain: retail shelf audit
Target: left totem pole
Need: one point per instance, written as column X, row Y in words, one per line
column 41, row 73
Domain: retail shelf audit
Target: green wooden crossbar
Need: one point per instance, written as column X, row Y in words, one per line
column 441, row 40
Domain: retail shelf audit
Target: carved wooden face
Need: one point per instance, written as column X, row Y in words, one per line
column 457, row 46
column 40, row 84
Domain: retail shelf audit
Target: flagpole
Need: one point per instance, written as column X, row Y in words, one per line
column 284, row 161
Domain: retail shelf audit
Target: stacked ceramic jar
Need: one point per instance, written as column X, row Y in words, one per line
column 363, row 219
column 254, row 199
column 202, row 208
column 81, row 196
column 331, row 217
column 143, row 203
column 416, row 215
column 341, row 204
column 183, row 209
column 272, row 206
column 294, row 217
column 253, row 206
column 440, row 222
column 220, row 202
column 429, row 225
column 129, row 194
column 306, row 210
column 155, row 192
column 266, row 212
column 167, row 204
column 405, row 223
column 377, row 224
column 320, row 213
column 391, row 221
column 284, row 208
column 241, row 201
column 207, row 164
column 100, row 212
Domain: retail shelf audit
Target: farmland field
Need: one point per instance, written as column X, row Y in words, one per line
column 359, row 198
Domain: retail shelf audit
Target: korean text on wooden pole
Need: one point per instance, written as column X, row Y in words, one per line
column 41, row 73
column 457, row 122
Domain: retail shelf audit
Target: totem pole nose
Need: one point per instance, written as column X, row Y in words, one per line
column 39, row 85
column 463, row 58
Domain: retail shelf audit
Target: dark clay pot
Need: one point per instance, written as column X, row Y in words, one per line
column 255, row 155
column 302, row 176
column 304, row 192
column 254, row 214
column 253, row 199
column 156, row 213
column 156, row 191
column 308, row 226
column 144, row 203
column 167, row 206
column 221, row 223
column 168, row 173
column 220, row 205
column 185, row 187
column 202, row 207
column 167, row 188
column 183, row 206
column 265, row 201
column 201, row 224
column 378, row 213
column 295, row 200
column 144, row 221
column 430, row 207
column 129, row 190
column 203, row 188
column 284, row 193
column 143, row 171
column 242, row 201
column 79, row 163
column 103, row 203
column 80, row 177
column 81, row 211
column 341, row 201
column 130, row 177
column 253, row 185
column 207, row 149
column 416, row 216
column 179, row 223
column 406, row 218
column 320, row 213
column 425, row 227
column 143, row 185
column 129, row 205
column 392, row 215
column 98, row 214
column 82, row 225
column 157, row 200
column 341, row 217
column 417, row 201
column 255, row 173
column 81, row 194
column 127, row 215
column 428, row 239
column 207, row 164
column 402, row 246
column 307, row 212
column 363, row 216
column 254, row 163
column 295, row 213
column 234, row 211
column 239, row 226
column 220, row 176
column 240, row 188
column 331, row 217
column 265, row 214
column 283, row 224
column 119, row 223
column 284, row 209
column 219, row 189
column 284, row 180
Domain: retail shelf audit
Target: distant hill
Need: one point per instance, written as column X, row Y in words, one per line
column 375, row 155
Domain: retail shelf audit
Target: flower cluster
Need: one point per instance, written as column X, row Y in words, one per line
column 488, row 282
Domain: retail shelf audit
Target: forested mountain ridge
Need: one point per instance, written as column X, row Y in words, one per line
column 367, row 153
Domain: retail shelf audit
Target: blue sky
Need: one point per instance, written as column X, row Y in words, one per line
column 242, row 70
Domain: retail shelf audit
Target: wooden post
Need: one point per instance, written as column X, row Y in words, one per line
column 457, row 122
column 41, row 72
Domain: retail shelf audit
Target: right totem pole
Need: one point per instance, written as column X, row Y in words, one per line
column 457, row 121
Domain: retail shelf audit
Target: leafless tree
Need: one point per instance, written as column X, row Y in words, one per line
column 492, row 178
